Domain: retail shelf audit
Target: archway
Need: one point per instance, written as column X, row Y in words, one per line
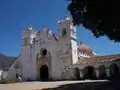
column 102, row 72
column 114, row 70
column 89, row 72
column 77, row 73
column 44, row 73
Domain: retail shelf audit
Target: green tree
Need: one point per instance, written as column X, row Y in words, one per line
column 101, row 17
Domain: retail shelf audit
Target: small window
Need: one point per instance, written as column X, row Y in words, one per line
column 64, row 32
column 44, row 52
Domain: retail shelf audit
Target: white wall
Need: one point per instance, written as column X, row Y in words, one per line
column 28, row 63
column 59, row 62
column 12, row 70
column 1, row 71
column 74, row 52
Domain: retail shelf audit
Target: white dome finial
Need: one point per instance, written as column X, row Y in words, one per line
column 67, row 18
column 59, row 22
column 30, row 27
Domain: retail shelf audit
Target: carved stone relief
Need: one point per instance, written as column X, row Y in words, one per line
column 43, row 60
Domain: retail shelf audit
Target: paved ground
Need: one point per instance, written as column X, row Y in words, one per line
column 41, row 85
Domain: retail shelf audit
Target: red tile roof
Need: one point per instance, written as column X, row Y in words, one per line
column 97, row 59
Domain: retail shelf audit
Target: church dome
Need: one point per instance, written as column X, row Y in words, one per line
column 85, row 49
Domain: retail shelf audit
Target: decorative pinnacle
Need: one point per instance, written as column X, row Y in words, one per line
column 29, row 27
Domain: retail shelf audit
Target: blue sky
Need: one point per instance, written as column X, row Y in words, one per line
column 16, row 15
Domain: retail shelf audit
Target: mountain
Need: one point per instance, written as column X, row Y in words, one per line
column 6, row 61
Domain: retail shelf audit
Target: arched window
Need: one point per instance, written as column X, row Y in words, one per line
column 64, row 31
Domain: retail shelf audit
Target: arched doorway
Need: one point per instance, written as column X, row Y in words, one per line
column 89, row 72
column 44, row 73
column 102, row 72
column 77, row 73
column 114, row 70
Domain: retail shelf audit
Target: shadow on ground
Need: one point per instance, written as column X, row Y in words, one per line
column 111, row 85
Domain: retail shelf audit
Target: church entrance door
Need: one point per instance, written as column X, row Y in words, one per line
column 44, row 73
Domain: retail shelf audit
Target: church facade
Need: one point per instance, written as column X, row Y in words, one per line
column 46, row 56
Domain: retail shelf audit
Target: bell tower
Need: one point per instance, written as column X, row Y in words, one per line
column 68, row 38
column 66, row 28
column 27, row 54
column 28, row 36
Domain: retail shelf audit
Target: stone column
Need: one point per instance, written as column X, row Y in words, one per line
column 81, row 74
column 72, row 74
column 108, row 72
column 97, row 73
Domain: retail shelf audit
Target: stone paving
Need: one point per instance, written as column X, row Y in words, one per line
column 40, row 85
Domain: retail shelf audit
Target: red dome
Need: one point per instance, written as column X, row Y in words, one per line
column 84, row 48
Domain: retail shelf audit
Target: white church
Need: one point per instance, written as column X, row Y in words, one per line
column 45, row 56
